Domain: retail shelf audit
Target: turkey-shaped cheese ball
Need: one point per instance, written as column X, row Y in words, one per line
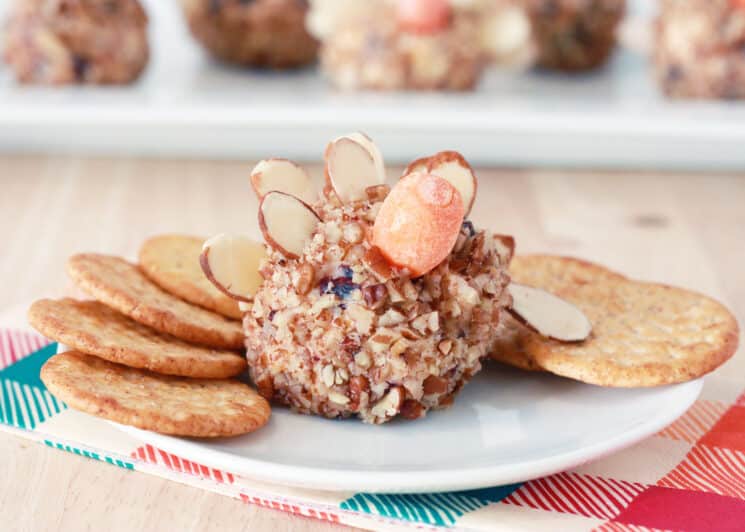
column 373, row 301
column 354, row 321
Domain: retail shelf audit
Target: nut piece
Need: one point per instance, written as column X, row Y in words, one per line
column 412, row 409
column 451, row 166
column 377, row 193
column 376, row 261
column 389, row 405
column 231, row 263
column 419, row 222
column 423, row 16
column 265, row 387
column 504, row 245
column 548, row 315
column 357, row 386
column 283, row 176
column 287, row 223
column 339, row 399
column 353, row 163
column 305, row 279
column 435, row 384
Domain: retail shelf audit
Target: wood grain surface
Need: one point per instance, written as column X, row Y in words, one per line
column 683, row 229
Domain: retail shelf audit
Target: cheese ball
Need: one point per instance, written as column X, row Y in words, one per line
column 54, row 42
column 261, row 33
column 699, row 49
column 574, row 35
column 387, row 49
column 340, row 332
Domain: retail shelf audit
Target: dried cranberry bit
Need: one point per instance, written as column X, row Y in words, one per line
column 350, row 345
column 80, row 66
column 468, row 228
column 345, row 271
column 341, row 287
column 325, row 284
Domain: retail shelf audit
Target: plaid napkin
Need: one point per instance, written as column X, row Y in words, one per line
column 690, row 476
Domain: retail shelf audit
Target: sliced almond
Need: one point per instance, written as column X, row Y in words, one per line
column 231, row 263
column 283, row 176
column 377, row 155
column 548, row 315
column 287, row 223
column 419, row 165
column 453, row 167
column 353, row 163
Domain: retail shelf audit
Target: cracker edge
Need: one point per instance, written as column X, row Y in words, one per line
column 84, row 342
column 189, row 292
column 155, row 318
column 198, row 427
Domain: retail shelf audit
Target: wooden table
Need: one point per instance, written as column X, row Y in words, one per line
column 684, row 229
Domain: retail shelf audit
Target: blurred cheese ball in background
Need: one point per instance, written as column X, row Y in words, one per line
column 263, row 33
column 76, row 41
column 325, row 16
column 504, row 30
column 496, row 31
column 573, row 35
column 389, row 45
column 700, row 48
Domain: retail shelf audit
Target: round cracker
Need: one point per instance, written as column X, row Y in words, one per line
column 172, row 262
column 94, row 328
column 160, row 403
column 122, row 286
column 552, row 273
column 509, row 347
column 644, row 334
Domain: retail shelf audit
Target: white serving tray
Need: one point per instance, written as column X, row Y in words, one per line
column 186, row 105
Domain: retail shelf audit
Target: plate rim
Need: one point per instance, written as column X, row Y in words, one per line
column 436, row 480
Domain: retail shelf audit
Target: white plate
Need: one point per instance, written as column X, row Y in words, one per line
column 506, row 426
column 187, row 106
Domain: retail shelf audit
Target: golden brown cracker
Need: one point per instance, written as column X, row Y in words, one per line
column 552, row 273
column 122, row 286
column 94, row 328
column 509, row 346
column 161, row 403
column 644, row 334
column 172, row 262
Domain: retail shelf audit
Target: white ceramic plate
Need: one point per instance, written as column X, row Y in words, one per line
column 506, row 426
